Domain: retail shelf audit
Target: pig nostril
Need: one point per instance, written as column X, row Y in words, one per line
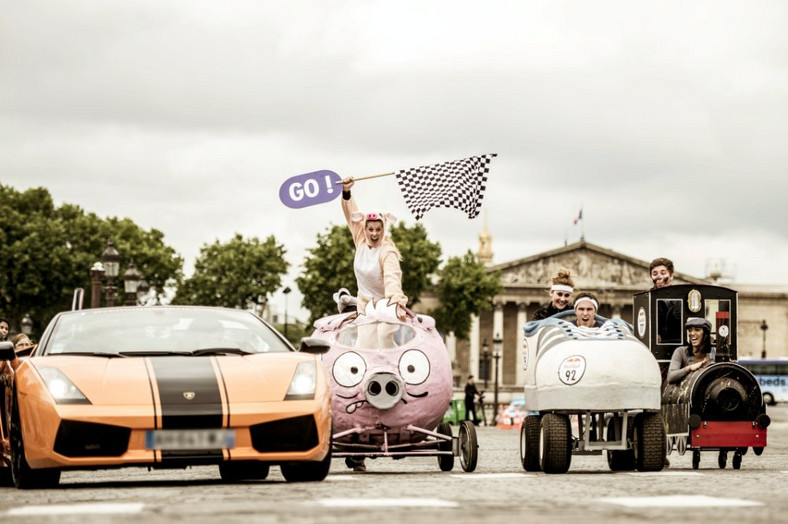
column 392, row 388
column 374, row 388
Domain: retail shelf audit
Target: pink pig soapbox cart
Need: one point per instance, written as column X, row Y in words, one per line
column 391, row 383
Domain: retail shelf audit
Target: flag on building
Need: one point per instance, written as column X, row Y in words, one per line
column 459, row 184
column 579, row 217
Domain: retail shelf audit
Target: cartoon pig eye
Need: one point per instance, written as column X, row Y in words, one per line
column 349, row 369
column 414, row 366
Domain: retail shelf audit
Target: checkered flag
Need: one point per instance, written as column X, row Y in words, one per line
column 459, row 184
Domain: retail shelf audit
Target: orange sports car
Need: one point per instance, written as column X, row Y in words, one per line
column 164, row 387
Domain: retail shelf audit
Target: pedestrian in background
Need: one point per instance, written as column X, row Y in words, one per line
column 470, row 400
column 5, row 327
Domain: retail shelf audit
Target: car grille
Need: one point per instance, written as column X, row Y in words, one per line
column 88, row 439
column 291, row 434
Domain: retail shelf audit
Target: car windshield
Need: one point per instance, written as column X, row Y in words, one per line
column 160, row 331
column 376, row 335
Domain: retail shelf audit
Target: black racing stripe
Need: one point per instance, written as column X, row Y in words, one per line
column 177, row 379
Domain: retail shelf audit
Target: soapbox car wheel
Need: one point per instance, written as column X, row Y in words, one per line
column 722, row 459
column 737, row 460
column 649, row 442
column 757, row 450
column 555, row 452
column 246, row 470
column 307, row 471
column 618, row 459
column 445, row 462
column 695, row 459
column 529, row 443
column 469, row 447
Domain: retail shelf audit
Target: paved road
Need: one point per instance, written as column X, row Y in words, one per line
column 395, row 491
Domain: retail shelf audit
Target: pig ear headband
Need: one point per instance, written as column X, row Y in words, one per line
column 386, row 218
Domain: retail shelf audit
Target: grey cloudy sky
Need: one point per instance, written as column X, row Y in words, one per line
column 667, row 121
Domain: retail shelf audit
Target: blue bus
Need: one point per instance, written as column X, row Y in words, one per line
column 772, row 375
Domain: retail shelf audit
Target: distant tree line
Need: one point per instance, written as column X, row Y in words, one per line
column 46, row 253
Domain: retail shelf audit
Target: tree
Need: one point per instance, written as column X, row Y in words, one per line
column 329, row 266
column 420, row 259
column 239, row 273
column 46, row 252
column 465, row 288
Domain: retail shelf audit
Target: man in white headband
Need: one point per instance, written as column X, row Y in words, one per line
column 586, row 306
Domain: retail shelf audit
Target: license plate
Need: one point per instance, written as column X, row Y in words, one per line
column 178, row 439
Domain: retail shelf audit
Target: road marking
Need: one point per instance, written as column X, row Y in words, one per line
column 379, row 503
column 77, row 509
column 476, row 476
column 344, row 477
column 666, row 474
column 678, row 501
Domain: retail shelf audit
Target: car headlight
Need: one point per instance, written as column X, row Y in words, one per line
column 61, row 388
column 302, row 386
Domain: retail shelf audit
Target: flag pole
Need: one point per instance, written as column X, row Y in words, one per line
column 356, row 179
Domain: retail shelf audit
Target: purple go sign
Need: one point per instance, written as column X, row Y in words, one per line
column 309, row 189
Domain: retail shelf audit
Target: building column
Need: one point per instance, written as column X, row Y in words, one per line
column 518, row 364
column 474, row 351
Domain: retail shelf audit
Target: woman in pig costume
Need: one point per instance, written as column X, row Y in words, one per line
column 376, row 262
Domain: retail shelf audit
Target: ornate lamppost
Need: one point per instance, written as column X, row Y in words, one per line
column 26, row 325
column 110, row 259
column 131, row 282
column 286, row 292
column 96, row 274
column 497, row 349
column 764, row 327
column 484, row 370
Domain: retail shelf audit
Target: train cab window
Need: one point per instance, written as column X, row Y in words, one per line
column 669, row 321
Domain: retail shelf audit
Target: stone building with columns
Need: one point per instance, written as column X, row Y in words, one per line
column 614, row 277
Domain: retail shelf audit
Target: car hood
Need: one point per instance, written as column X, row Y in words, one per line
column 136, row 380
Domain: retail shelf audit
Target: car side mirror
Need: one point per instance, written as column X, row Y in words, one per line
column 314, row 345
column 7, row 351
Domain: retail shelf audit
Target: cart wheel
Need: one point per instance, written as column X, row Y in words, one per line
column 555, row 452
column 757, row 450
column 618, row 459
column 649, row 442
column 723, row 459
column 696, row 459
column 681, row 445
column 469, row 448
column 529, row 443
column 445, row 462
column 737, row 460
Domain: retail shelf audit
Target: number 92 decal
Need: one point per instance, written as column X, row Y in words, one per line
column 571, row 370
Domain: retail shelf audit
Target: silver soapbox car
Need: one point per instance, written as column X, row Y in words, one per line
column 589, row 390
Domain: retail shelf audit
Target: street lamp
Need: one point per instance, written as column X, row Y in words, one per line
column 485, row 370
column 131, row 282
column 286, row 291
column 142, row 292
column 110, row 259
column 27, row 325
column 764, row 327
column 497, row 348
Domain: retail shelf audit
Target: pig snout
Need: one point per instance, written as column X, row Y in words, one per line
column 384, row 390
